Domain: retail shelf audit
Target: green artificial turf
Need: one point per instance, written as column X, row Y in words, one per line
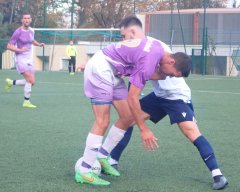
column 39, row 147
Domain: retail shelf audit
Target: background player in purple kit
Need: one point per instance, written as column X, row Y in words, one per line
column 140, row 60
column 21, row 43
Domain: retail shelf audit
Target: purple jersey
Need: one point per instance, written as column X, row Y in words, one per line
column 23, row 38
column 136, row 58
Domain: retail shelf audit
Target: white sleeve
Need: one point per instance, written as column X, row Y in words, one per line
column 166, row 47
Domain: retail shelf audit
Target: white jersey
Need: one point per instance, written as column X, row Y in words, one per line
column 172, row 88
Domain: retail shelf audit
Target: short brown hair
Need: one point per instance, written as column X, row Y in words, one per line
column 183, row 63
column 25, row 13
column 130, row 21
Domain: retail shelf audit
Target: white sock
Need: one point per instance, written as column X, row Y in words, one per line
column 20, row 82
column 114, row 136
column 112, row 161
column 27, row 90
column 216, row 172
column 93, row 143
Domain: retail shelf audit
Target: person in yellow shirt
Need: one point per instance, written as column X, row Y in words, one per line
column 71, row 52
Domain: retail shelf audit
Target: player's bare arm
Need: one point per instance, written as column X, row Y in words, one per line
column 148, row 138
column 13, row 48
column 38, row 44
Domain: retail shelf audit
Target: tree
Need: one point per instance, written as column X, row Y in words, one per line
column 192, row 4
column 101, row 13
column 107, row 13
column 11, row 11
column 234, row 4
column 89, row 13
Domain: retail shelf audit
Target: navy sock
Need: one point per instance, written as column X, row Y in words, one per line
column 84, row 164
column 206, row 152
column 103, row 151
column 117, row 151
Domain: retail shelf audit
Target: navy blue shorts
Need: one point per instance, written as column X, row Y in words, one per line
column 157, row 107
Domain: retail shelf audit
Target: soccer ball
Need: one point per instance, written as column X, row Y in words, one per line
column 96, row 168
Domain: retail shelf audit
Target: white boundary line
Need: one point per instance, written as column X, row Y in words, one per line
column 149, row 88
column 215, row 92
column 212, row 78
column 69, row 29
column 56, row 83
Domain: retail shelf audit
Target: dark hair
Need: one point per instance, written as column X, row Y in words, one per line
column 183, row 63
column 130, row 21
column 25, row 12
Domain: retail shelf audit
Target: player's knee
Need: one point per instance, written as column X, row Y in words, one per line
column 103, row 123
column 190, row 130
column 128, row 120
column 192, row 135
column 31, row 81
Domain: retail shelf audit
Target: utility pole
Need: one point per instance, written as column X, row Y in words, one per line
column 44, row 26
column 72, row 11
column 26, row 5
column 204, row 41
column 134, row 7
column 171, row 24
column 44, row 14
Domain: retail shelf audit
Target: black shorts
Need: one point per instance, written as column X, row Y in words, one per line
column 157, row 107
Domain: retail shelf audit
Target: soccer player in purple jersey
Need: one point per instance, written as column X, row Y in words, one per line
column 140, row 60
column 171, row 97
column 21, row 43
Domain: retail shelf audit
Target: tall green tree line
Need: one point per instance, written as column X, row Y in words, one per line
column 86, row 13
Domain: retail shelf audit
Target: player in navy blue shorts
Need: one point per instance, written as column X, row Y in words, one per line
column 171, row 97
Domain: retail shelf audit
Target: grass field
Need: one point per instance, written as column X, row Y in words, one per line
column 39, row 147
